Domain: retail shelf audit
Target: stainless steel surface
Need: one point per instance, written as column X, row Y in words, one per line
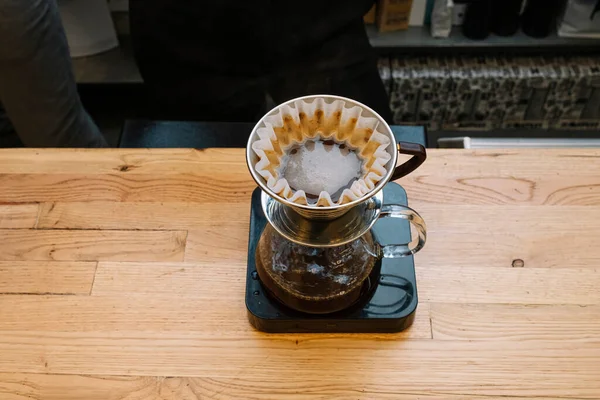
column 507, row 143
column 322, row 233
column 322, row 213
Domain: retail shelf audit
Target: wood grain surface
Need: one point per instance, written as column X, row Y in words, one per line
column 122, row 276
column 47, row 277
column 18, row 215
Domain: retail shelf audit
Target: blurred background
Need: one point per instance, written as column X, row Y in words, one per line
column 525, row 71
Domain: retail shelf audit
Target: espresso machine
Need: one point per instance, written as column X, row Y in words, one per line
column 344, row 267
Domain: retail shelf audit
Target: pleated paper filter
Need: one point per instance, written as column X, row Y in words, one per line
column 321, row 154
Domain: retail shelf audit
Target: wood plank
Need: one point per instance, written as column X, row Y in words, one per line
column 222, row 244
column 232, row 183
column 438, row 283
column 191, row 279
column 196, row 282
column 431, row 386
column 194, row 187
column 435, row 283
column 46, row 278
column 514, row 322
column 351, row 358
column 153, row 314
column 119, row 215
column 522, row 188
column 563, row 163
column 497, row 236
column 450, row 177
column 535, row 235
column 493, row 162
column 510, row 218
column 18, row 215
column 79, row 245
column 111, row 161
column 546, row 249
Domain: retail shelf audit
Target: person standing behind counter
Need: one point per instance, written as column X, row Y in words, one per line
column 217, row 60
column 38, row 93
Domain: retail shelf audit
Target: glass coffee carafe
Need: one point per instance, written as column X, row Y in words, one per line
column 321, row 267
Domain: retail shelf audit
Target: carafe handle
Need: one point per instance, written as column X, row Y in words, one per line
column 418, row 153
column 416, row 244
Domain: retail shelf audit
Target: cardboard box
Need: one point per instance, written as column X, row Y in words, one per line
column 393, row 15
column 369, row 17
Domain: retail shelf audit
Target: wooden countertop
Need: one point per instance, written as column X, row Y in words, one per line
column 122, row 277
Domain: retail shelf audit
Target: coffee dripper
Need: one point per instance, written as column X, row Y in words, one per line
column 316, row 259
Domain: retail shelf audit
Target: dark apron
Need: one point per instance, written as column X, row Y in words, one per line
column 216, row 60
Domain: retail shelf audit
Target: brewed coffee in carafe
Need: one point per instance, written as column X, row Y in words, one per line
column 315, row 280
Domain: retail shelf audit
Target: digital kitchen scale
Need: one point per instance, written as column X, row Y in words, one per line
column 389, row 297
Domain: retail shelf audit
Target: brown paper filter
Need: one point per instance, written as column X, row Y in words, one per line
column 321, row 154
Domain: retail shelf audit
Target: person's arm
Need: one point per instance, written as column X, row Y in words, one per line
column 37, row 87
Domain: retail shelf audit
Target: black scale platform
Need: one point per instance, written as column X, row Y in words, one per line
column 390, row 295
